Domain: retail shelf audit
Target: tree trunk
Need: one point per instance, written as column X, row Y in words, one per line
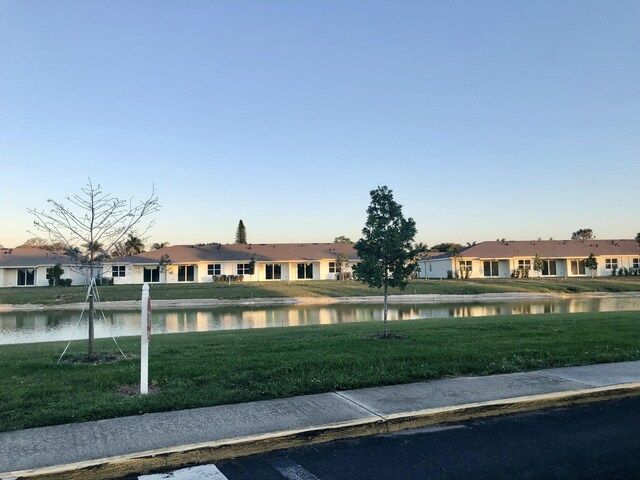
column 384, row 311
column 92, row 311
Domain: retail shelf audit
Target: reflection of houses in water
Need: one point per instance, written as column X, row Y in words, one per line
column 520, row 309
column 27, row 327
column 202, row 321
column 405, row 312
column 31, row 320
column 578, row 307
column 471, row 310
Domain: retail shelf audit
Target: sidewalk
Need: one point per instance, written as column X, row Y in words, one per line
column 121, row 446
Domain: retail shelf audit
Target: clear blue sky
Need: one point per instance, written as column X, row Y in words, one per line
column 516, row 119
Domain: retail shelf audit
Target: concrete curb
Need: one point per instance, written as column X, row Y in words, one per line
column 175, row 457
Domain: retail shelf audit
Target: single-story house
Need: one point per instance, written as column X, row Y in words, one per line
column 206, row 263
column 560, row 258
column 28, row 267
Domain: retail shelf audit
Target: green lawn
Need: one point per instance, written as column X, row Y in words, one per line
column 203, row 369
column 60, row 295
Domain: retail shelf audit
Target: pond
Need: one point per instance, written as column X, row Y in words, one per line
column 44, row 326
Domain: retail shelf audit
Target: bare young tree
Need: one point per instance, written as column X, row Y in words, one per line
column 99, row 222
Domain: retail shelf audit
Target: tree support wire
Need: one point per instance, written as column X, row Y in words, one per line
column 91, row 290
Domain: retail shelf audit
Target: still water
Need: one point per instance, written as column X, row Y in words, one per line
column 44, row 326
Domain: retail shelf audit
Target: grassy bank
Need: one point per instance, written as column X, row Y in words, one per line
column 60, row 295
column 203, row 369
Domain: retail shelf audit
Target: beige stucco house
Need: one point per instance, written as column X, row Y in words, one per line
column 206, row 263
column 561, row 258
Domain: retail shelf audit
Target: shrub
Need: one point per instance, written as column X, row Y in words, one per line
column 450, row 274
column 227, row 278
column 346, row 276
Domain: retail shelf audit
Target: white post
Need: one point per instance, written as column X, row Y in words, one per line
column 145, row 318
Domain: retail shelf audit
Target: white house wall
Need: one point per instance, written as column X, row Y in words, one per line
column 9, row 276
column 78, row 276
column 436, row 268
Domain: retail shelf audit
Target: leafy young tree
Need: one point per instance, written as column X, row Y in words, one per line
column 538, row 264
column 386, row 250
column 583, row 234
column 342, row 239
column 159, row 245
column 55, row 273
column 592, row 264
column 241, row 233
column 98, row 221
column 638, row 237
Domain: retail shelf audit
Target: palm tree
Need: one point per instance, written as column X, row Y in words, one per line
column 133, row 245
column 454, row 252
column 92, row 247
column 158, row 246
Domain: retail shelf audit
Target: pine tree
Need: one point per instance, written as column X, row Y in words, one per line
column 241, row 233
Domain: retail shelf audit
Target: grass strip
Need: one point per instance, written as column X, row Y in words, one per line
column 321, row 288
column 212, row 368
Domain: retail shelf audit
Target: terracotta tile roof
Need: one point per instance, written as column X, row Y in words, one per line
column 28, row 257
column 552, row 249
column 263, row 252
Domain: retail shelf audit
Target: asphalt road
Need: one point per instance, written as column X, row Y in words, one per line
column 599, row 441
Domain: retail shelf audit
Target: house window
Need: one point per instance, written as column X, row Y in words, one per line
column 636, row 263
column 490, row 268
column 151, row 274
column 577, row 267
column 334, row 267
column 610, row 263
column 244, row 269
column 466, row 265
column 524, row 264
column 548, row 267
column 26, row 276
column 273, row 271
column 305, row 271
column 186, row 273
column 118, row 271
column 214, row 269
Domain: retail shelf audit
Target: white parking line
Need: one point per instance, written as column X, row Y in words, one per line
column 291, row 470
column 204, row 472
